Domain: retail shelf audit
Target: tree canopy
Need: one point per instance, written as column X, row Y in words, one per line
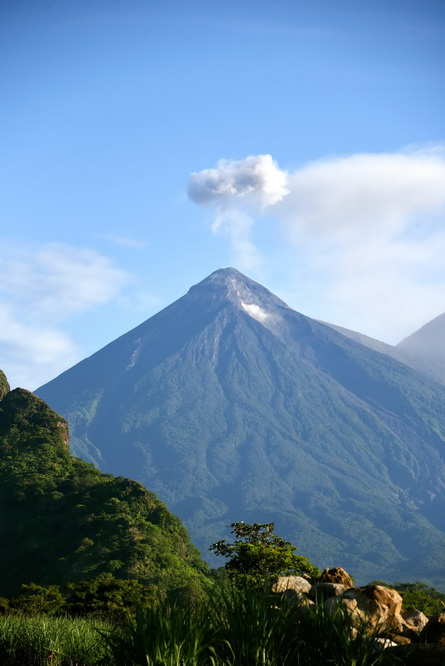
column 258, row 555
column 65, row 521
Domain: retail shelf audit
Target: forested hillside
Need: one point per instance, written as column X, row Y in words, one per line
column 62, row 520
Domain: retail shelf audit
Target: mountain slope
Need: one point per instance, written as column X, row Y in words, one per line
column 63, row 520
column 232, row 406
column 426, row 348
column 423, row 350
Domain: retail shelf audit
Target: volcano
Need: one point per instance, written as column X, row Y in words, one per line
column 232, row 406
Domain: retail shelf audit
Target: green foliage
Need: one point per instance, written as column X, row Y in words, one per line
column 65, row 521
column 104, row 597
column 37, row 600
column 4, row 386
column 107, row 597
column 258, row 555
column 239, row 627
column 29, row 641
column 166, row 633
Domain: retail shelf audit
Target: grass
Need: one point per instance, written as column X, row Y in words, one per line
column 240, row 628
column 29, row 641
column 233, row 627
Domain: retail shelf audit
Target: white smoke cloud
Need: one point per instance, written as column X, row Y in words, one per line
column 40, row 288
column 237, row 225
column 257, row 178
column 367, row 232
column 255, row 311
column 234, row 187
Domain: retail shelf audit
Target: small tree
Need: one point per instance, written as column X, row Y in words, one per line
column 258, row 555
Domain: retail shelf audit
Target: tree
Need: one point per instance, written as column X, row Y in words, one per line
column 258, row 555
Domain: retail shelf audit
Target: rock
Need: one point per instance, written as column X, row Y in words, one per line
column 398, row 639
column 336, row 575
column 374, row 605
column 296, row 583
column 434, row 630
column 322, row 591
column 415, row 619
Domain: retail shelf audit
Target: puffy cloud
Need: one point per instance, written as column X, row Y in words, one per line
column 236, row 188
column 40, row 288
column 257, row 177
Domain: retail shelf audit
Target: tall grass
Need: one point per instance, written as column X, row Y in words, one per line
column 239, row 628
column 233, row 627
column 168, row 633
column 29, row 641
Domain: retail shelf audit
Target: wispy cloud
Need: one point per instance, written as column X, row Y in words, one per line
column 368, row 232
column 41, row 287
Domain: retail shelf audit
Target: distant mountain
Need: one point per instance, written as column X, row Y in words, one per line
column 423, row 351
column 425, row 348
column 232, row 406
column 62, row 520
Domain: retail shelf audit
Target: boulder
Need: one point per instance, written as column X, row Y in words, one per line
column 415, row 618
column 322, row 591
column 434, row 630
column 296, row 583
column 375, row 606
column 415, row 622
column 336, row 575
column 398, row 639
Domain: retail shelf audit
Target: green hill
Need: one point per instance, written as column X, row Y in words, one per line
column 62, row 520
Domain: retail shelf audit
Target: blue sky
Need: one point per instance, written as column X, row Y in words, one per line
column 330, row 112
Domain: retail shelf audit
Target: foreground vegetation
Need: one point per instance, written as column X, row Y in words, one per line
column 112, row 578
column 34, row 641
column 233, row 627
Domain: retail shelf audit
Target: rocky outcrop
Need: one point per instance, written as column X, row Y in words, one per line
column 337, row 575
column 322, row 591
column 374, row 605
column 408, row 637
column 296, row 583
column 415, row 619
